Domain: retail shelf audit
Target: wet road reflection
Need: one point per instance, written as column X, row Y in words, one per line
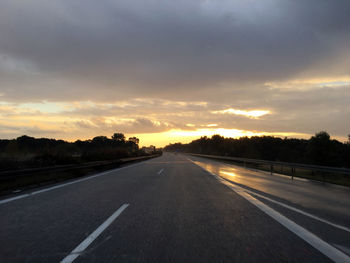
column 328, row 200
column 228, row 173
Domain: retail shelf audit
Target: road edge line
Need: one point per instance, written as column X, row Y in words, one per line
column 320, row 245
column 7, row 200
column 288, row 206
column 298, row 211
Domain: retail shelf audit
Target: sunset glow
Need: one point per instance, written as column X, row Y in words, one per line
column 174, row 130
column 249, row 114
column 174, row 136
column 143, row 69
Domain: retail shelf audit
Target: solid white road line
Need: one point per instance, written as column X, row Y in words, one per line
column 4, row 201
column 83, row 245
column 13, row 198
column 343, row 248
column 290, row 207
column 299, row 211
column 161, row 170
column 322, row 246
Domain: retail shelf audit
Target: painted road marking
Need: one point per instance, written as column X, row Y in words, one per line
column 322, row 246
column 299, row 211
column 4, row 201
column 83, row 245
column 13, row 198
column 288, row 206
column 343, row 248
column 161, row 170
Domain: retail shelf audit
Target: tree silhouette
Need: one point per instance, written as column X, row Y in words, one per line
column 134, row 140
column 118, row 137
column 319, row 149
column 26, row 151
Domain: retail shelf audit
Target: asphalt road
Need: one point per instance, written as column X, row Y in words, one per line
column 170, row 209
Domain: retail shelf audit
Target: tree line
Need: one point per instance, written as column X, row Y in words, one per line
column 27, row 152
column 320, row 149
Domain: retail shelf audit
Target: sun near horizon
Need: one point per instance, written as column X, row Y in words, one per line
column 173, row 71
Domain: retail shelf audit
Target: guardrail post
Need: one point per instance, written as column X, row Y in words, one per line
column 323, row 177
column 285, row 166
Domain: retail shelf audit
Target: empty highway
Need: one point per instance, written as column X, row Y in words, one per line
column 178, row 208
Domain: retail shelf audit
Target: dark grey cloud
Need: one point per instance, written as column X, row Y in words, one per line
column 312, row 110
column 120, row 54
column 112, row 49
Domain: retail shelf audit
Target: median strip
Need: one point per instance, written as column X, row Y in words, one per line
column 19, row 180
column 4, row 201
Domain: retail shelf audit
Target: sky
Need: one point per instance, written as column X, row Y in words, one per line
column 168, row 71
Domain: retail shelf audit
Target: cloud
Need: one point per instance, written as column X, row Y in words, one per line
column 14, row 131
column 254, row 114
column 152, row 66
column 113, row 49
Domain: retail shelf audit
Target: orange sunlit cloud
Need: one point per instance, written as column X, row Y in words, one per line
column 153, row 121
column 249, row 114
column 168, row 84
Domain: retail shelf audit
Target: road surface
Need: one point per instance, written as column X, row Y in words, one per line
column 177, row 208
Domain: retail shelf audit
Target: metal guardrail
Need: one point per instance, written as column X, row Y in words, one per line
column 37, row 176
column 59, row 168
column 327, row 169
